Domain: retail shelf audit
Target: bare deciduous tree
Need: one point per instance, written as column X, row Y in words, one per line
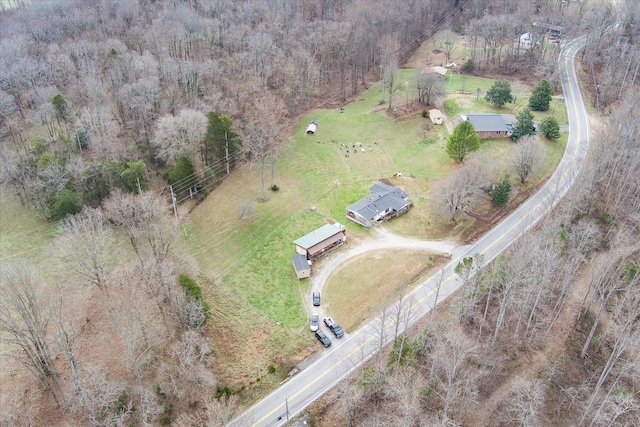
column 527, row 157
column 526, row 406
column 429, row 87
column 181, row 135
column 24, row 324
column 460, row 191
column 86, row 246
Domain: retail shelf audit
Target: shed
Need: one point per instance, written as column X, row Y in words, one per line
column 438, row 69
column 436, row 116
column 302, row 267
column 321, row 240
column 311, row 128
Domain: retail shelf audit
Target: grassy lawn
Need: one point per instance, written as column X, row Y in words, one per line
column 24, row 233
column 360, row 287
column 319, row 176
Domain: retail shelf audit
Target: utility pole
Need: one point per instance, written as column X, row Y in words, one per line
column 226, row 150
column 286, row 403
column 173, row 202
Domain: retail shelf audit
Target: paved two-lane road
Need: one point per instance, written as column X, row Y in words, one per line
column 350, row 352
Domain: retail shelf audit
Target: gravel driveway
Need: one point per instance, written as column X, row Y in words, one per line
column 383, row 239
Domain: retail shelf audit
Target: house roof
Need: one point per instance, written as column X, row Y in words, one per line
column 435, row 113
column 382, row 197
column 316, row 236
column 300, row 262
column 437, row 69
column 488, row 122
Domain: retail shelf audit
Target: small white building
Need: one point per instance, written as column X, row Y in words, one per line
column 311, row 129
column 524, row 43
column 436, row 116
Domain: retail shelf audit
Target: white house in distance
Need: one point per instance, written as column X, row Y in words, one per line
column 524, row 43
column 436, row 116
column 321, row 241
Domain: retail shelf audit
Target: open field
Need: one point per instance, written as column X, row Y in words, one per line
column 319, row 175
column 24, row 234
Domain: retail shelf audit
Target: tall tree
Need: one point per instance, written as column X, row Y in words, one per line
column 429, row 87
column 462, row 141
column 524, row 125
column 221, row 142
column 24, row 323
column 180, row 135
column 262, row 133
column 499, row 93
column 541, row 96
column 460, row 191
column 527, row 157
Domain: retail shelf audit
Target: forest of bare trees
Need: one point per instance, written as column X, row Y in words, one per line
column 98, row 98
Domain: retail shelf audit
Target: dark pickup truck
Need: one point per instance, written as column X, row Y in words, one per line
column 334, row 327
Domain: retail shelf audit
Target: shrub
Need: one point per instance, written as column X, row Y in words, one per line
column 469, row 66
column 274, row 188
column 67, row 203
column 195, row 311
column 550, row 127
column 271, row 369
column 500, row 193
column 425, row 113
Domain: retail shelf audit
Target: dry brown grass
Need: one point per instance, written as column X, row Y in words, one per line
column 359, row 288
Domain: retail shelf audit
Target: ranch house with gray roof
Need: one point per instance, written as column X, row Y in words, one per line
column 489, row 126
column 384, row 202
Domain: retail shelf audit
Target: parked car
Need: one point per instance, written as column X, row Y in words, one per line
column 334, row 327
column 323, row 338
column 315, row 321
column 316, row 299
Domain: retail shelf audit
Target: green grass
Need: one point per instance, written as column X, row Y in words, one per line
column 252, row 258
column 24, row 233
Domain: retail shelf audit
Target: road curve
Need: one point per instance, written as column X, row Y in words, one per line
column 348, row 354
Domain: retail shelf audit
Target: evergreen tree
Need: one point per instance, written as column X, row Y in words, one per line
column 463, row 140
column 524, row 126
column 221, row 142
column 500, row 193
column 67, row 203
column 499, row 93
column 134, row 175
column 550, row 127
column 182, row 176
column 541, row 96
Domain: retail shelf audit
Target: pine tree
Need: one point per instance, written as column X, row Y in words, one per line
column 524, row 125
column 221, row 142
column 463, row 140
column 541, row 96
column 550, row 127
column 500, row 193
column 499, row 93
